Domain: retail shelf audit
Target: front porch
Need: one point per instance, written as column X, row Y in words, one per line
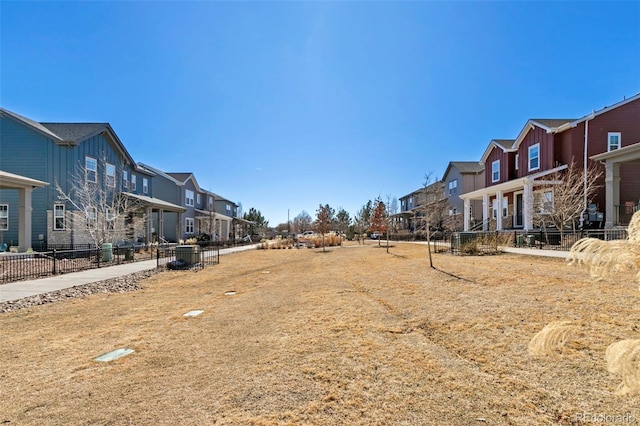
column 618, row 212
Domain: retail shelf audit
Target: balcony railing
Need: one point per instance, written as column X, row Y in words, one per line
column 624, row 212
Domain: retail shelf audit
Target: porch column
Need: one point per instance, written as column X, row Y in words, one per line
column 612, row 193
column 24, row 214
column 149, row 223
column 485, row 212
column 467, row 214
column 527, row 199
column 499, row 211
column 161, row 238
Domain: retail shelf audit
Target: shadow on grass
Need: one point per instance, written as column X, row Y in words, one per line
column 454, row 276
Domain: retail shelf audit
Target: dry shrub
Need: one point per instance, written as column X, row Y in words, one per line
column 550, row 339
column 330, row 240
column 277, row 243
column 603, row 257
column 623, row 358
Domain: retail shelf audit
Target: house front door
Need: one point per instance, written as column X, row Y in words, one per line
column 518, row 217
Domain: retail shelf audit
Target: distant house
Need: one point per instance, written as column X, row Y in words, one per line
column 413, row 207
column 59, row 154
column 515, row 170
column 216, row 217
column 461, row 177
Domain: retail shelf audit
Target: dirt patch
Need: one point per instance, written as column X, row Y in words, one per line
column 348, row 337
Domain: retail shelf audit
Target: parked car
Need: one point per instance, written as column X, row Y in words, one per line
column 307, row 234
column 374, row 235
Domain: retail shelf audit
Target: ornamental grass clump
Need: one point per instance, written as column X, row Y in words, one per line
column 551, row 339
column 623, row 358
column 603, row 257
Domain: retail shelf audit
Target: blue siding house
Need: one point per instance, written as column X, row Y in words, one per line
column 66, row 155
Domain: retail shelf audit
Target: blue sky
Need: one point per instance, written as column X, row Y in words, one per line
column 282, row 106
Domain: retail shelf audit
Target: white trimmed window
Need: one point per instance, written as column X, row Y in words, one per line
column 110, row 175
column 534, row 157
column 505, row 207
column 517, row 160
column 59, row 215
column 91, row 216
column 145, row 185
column 188, row 197
column 188, row 225
column 134, row 182
column 495, row 171
column 198, row 199
column 228, row 207
column 614, row 141
column 111, row 219
column 90, row 169
column 544, row 201
column 125, row 179
column 495, row 206
column 453, row 187
column 210, row 203
column 4, row 217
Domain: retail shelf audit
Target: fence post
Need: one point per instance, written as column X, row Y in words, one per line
column 54, row 261
column 158, row 256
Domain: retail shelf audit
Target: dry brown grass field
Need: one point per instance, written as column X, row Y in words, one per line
column 353, row 336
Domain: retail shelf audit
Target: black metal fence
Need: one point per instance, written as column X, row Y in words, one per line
column 488, row 242
column 25, row 266
column 190, row 256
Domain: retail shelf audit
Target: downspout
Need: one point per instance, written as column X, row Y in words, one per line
column 584, row 173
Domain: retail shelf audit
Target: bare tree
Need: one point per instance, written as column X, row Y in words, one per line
column 432, row 204
column 302, row 222
column 362, row 220
column 108, row 214
column 561, row 200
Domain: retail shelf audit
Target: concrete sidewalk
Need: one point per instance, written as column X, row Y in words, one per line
column 518, row 250
column 22, row 289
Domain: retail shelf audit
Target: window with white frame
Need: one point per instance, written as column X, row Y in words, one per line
column 453, row 187
column 110, row 175
column 125, row 179
column 534, row 157
column 145, row 185
column 210, row 203
column 110, row 218
column 495, row 171
column 91, row 216
column 134, row 182
column 495, row 206
column 4, row 217
column 59, row 217
column 198, row 199
column 505, row 207
column 188, row 197
column 188, row 225
column 90, row 169
column 228, row 207
column 614, row 141
column 543, row 200
column 517, row 160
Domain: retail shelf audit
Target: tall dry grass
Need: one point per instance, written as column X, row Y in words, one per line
column 601, row 258
column 623, row 358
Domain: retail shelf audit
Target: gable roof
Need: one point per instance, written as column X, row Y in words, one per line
column 464, row 167
column 30, row 123
column 184, row 177
column 506, row 145
column 76, row 132
column 72, row 133
column 604, row 110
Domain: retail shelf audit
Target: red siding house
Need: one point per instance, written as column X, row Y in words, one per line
column 515, row 170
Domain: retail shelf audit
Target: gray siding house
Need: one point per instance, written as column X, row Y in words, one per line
column 461, row 177
column 63, row 155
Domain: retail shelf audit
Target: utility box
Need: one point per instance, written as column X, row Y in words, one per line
column 107, row 252
column 188, row 254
